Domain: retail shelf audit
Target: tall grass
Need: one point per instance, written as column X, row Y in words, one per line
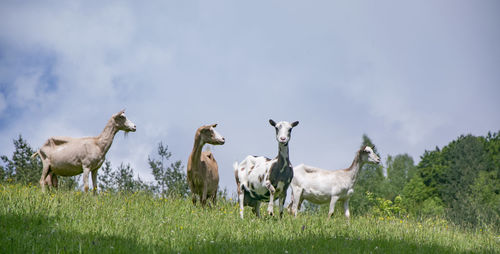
column 75, row 222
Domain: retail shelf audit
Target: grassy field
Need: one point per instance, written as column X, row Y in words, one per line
column 74, row 222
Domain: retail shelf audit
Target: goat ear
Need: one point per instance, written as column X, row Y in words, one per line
column 119, row 113
column 214, row 125
column 273, row 123
column 295, row 123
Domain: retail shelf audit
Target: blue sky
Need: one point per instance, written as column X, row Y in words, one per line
column 410, row 75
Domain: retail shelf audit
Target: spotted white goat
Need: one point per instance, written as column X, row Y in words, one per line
column 320, row 186
column 260, row 179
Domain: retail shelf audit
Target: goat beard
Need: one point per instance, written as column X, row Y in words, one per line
column 125, row 134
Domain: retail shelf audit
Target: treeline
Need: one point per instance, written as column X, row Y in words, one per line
column 169, row 176
column 460, row 182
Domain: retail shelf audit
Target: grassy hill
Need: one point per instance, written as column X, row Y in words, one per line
column 74, row 222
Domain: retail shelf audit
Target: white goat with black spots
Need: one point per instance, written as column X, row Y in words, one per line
column 260, row 179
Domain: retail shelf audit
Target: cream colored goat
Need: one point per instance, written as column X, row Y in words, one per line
column 321, row 186
column 66, row 156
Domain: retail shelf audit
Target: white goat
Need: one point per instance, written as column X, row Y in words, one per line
column 320, row 186
column 66, row 156
column 260, row 179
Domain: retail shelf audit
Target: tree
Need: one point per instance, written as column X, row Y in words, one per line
column 125, row 182
column 419, row 199
column 460, row 181
column 463, row 159
column 120, row 179
column 484, row 193
column 124, row 178
column 170, row 180
column 421, row 193
column 492, row 146
column 21, row 167
column 400, row 169
column 485, row 197
column 2, row 174
column 105, row 177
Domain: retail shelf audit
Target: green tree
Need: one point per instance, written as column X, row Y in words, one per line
column 170, row 180
column 492, row 146
column 460, row 181
column 2, row 174
column 485, row 199
column 463, row 159
column 400, row 169
column 420, row 200
column 105, row 177
column 21, row 167
column 120, row 179
column 124, row 179
column 421, row 194
column 485, row 191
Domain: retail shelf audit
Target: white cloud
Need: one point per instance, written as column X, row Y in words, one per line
column 341, row 70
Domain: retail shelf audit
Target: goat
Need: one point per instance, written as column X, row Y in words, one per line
column 320, row 186
column 202, row 169
column 260, row 179
column 67, row 156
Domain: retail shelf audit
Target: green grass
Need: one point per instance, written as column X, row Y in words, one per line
column 73, row 222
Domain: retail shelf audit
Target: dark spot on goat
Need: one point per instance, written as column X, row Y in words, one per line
column 309, row 170
column 261, row 178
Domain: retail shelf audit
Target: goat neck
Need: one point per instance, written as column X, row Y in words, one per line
column 356, row 165
column 105, row 139
column 197, row 149
column 283, row 153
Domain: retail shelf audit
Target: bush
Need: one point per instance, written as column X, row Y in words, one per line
column 385, row 208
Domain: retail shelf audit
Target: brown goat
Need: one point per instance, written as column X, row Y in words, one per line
column 202, row 169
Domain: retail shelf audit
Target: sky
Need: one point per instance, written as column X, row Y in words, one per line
column 412, row 75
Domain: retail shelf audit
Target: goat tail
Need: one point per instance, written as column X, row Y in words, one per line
column 35, row 154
